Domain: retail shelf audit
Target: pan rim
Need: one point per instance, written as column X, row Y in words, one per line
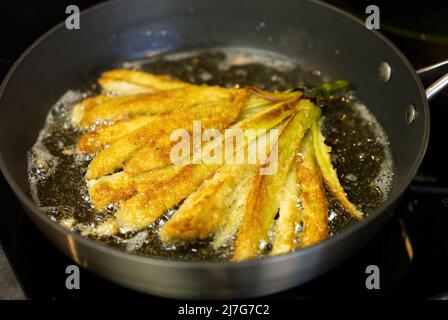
column 392, row 198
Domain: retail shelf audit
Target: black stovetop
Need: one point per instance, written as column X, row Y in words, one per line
column 417, row 270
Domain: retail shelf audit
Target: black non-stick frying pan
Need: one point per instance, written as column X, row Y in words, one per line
column 313, row 33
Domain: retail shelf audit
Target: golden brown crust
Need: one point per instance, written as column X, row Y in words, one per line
column 163, row 194
column 123, row 107
column 286, row 226
column 313, row 197
column 154, row 198
column 323, row 152
column 162, row 102
column 251, row 225
column 110, row 190
column 130, row 85
column 156, row 153
column 133, row 132
column 304, row 204
column 155, row 135
column 91, row 102
column 121, row 186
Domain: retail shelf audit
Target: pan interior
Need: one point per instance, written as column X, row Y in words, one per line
column 361, row 149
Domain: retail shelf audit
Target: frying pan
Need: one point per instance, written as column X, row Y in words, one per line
column 317, row 35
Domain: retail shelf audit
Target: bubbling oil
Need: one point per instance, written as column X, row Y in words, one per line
column 360, row 149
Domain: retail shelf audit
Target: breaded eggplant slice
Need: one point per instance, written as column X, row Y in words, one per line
column 314, row 201
column 96, row 140
column 121, row 186
column 86, row 105
column 116, row 187
column 107, row 110
column 323, row 157
column 229, row 226
column 264, row 202
column 286, row 226
column 307, row 207
column 218, row 113
column 104, row 135
column 128, row 82
column 153, row 199
column 163, row 102
column 202, row 212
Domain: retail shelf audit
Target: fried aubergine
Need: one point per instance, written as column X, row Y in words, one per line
column 151, row 200
column 106, row 189
column 265, row 195
column 127, row 128
column 212, row 109
column 302, row 219
column 312, row 195
column 128, row 82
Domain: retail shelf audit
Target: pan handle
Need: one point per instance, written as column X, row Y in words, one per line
column 440, row 83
